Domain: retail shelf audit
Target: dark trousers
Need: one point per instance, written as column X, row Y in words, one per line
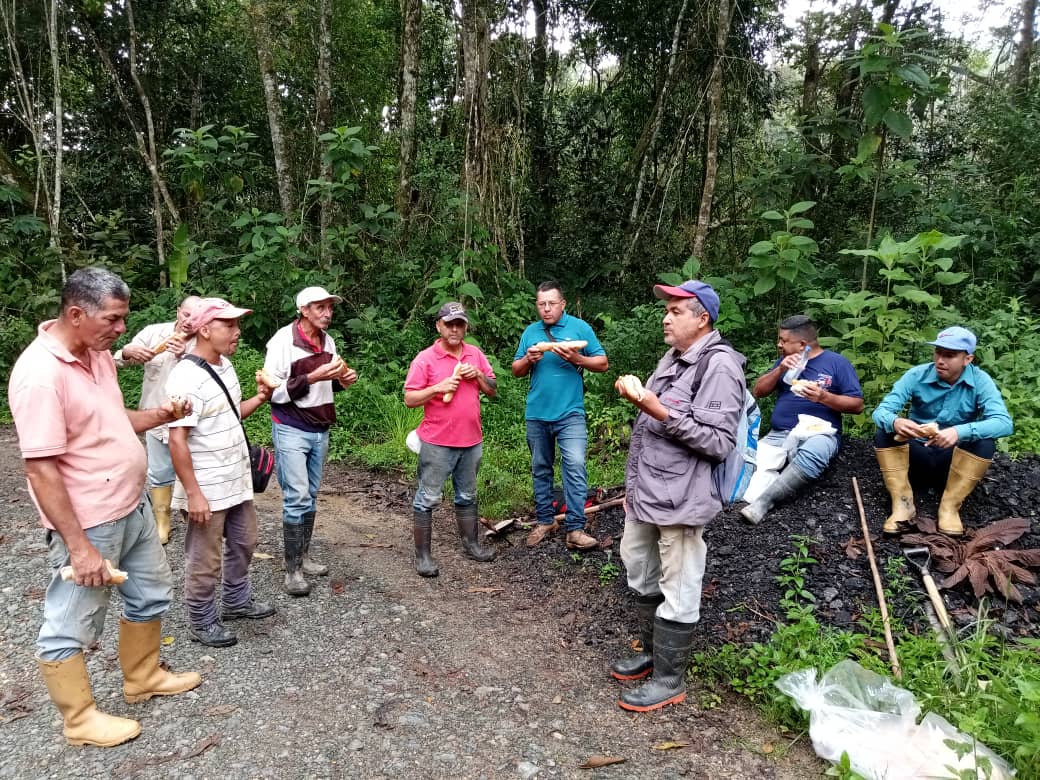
column 930, row 466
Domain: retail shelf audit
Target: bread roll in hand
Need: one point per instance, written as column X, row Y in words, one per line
column 930, row 430
column 115, row 576
column 630, row 386
column 265, row 378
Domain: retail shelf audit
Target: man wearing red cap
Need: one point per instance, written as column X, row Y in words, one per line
column 681, row 433
column 302, row 359
column 214, row 489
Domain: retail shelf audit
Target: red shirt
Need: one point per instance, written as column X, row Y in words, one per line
column 454, row 424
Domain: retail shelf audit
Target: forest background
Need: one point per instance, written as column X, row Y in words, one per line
column 866, row 165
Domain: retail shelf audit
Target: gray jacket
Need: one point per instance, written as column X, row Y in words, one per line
column 668, row 474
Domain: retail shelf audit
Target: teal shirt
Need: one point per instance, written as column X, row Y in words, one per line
column 556, row 385
column 972, row 404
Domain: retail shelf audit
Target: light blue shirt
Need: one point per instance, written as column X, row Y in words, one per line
column 972, row 404
column 557, row 389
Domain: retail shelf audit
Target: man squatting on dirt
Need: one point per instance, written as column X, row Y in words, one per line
column 830, row 388
column 86, row 474
column 446, row 379
column 963, row 403
column 214, row 489
column 555, row 412
column 158, row 347
column 302, row 359
column 679, row 435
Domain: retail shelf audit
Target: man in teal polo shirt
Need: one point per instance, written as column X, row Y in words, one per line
column 556, row 411
column 956, row 415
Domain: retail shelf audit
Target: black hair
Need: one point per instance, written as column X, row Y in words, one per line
column 800, row 325
column 550, row 284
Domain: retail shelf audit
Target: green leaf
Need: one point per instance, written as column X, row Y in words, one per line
column 774, row 215
column 876, row 101
column 758, row 248
column 895, row 275
column 868, row 144
column 915, row 75
column 915, row 295
column 669, row 278
column 899, row 123
column 764, row 284
column 470, row 290
column 800, row 207
column 950, row 277
column 790, row 255
column 801, row 222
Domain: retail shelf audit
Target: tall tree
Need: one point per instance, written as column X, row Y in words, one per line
column 1026, row 44
column 475, row 52
column 411, row 29
column 59, row 137
column 541, row 160
column 323, row 112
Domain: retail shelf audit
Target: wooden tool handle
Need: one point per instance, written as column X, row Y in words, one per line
column 937, row 602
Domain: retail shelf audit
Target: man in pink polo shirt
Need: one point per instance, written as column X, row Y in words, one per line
column 86, row 472
column 447, row 379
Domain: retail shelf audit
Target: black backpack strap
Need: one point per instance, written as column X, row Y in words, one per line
column 203, row 364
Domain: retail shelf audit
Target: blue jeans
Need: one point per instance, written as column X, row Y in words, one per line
column 542, row 438
column 812, row 455
column 299, row 457
column 160, row 465
column 73, row 616
column 436, row 464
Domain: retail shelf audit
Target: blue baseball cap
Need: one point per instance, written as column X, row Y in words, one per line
column 704, row 293
column 956, row 338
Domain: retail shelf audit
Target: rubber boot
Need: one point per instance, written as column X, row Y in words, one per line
column 295, row 584
column 965, row 472
column 143, row 677
column 786, row 486
column 69, row 688
column 895, row 470
column 469, row 529
column 161, row 497
column 641, row 664
column 310, row 567
column 672, row 644
column 421, row 533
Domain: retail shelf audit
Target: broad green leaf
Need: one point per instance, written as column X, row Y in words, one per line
column 874, row 64
column 669, row 278
column 915, row 75
column 950, row 242
column 942, row 263
column 804, row 243
column 470, row 290
column 895, row 275
column 800, row 207
column 915, row 295
column 774, row 215
column 802, row 223
column 899, row 123
column 868, row 144
column 764, row 284
column 790, row 255
column 876, row 102
column 950, row 277
column 758, row 248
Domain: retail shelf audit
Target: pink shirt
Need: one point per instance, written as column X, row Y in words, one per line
column 74, row 412
column 455, row 424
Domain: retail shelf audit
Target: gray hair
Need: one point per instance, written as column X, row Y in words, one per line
column 696, row 308
column 90, row 288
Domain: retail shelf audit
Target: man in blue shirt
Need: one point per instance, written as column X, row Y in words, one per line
column 956, row 415
column 556, row 411
column 827, row 388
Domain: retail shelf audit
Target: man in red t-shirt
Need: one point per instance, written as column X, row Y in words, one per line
column 446, row 379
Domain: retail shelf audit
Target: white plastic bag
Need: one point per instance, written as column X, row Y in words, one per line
column 412, row 441
column 808, row 425
column 770, row 460
column 855, row 711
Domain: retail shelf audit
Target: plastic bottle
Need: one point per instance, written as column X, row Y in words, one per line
column 793, row 373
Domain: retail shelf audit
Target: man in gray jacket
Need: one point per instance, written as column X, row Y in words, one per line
column 681, row 433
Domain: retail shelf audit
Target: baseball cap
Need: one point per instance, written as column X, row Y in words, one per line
column 309, row 295
column 703, row 292
column 451, row 311
column 956, row 338
column 209, row 309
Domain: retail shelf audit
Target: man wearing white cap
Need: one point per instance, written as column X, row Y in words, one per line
column 303, row 362
column 956, row 415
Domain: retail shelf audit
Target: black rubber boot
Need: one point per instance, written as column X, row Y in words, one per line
column 672, row 645
column 469, row 528
column 421, row 533
column 310, row 567
column 641, row 664
column 295, row 584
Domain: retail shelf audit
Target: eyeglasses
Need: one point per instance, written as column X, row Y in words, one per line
column 547, row 304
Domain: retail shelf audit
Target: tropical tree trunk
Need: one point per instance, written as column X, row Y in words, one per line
column 711, row 156
column 411, row 15
column 848, row 73
column 54, row 214
column 475, row 50
column 1024, row 54
column 323, row 115
column 264, row 52
column 541, row 161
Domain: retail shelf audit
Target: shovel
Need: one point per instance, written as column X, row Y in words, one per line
column 921, row 559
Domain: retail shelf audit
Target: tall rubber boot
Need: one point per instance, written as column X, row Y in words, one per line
column 469, row 528
column 965, row 472
column 895, row 470
column 143, row 677
column 422, row 530
column 311, row 567
column 295, row 584
column 638, row 666
column 786, row 486
column 161, row 497
column 672, row 644
column 69, row 688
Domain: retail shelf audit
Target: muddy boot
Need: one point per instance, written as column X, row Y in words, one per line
column 469, row 530
column 965, row 472
column 143, row 677
column 161, row 497
column 895, row 470
column 672, row 644
column 310, row 567
column 786, row 486
column 421, row 533
column 295, row 584
column 69, row 688
column 641, row 664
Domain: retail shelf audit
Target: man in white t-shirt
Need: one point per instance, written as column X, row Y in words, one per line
column 214, row 489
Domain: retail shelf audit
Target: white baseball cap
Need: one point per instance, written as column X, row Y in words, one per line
column 309, row 295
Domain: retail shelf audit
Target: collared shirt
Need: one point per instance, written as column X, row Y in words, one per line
column 557, row 389
column 832, row 372
column 73, row 411
column 972, row 404
column 291, row 356
column 457, row 423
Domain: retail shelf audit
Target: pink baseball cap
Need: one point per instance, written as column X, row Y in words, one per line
column 209, row 309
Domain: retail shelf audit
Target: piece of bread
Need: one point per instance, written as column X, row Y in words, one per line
column 630, row 386
column 546, row 346
column 162, row 346
column 930, row 430
column 180, row 406
column 115, row 576
column 451, row 394
column 266, row 379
